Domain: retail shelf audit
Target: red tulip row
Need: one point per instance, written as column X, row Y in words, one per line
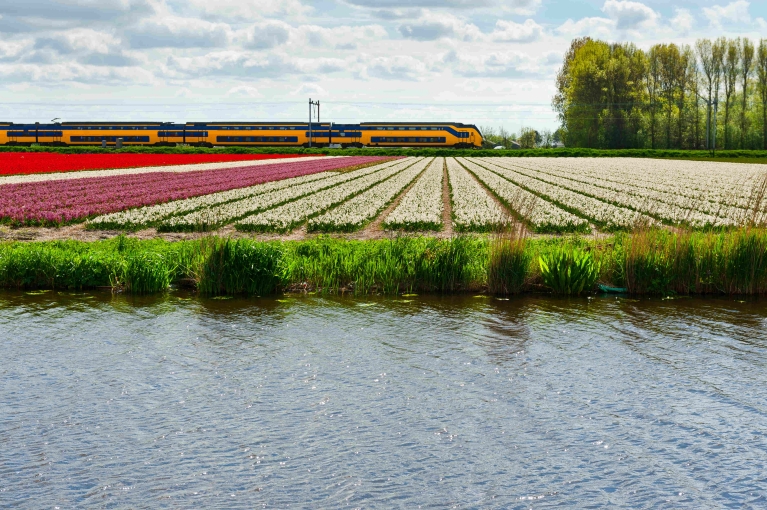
column 60, row 201
column 22, row 163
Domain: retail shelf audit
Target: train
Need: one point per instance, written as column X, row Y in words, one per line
column 245, row 134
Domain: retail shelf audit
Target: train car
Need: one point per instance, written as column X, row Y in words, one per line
column 27, row 134
column 420, row 134
column 95, row 133
column 4, row 126
column 245, row 134
column 266, row 134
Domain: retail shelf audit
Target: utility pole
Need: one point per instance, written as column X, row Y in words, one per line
column 317, row 104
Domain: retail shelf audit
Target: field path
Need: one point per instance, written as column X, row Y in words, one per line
column 447, row 204
column 373, row 229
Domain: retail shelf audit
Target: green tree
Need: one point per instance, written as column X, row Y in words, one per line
column 761, row 73
column 600, row 94
column 746, row 68
column 705, row 50
column 528, row 138
column 730, row 72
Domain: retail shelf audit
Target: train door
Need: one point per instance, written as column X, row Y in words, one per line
column 162, row 136
column 200, row 137
column 57, row 137
column 12, row 136
column 471, row 138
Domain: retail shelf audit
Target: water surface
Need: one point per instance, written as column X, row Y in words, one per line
column 310, row 402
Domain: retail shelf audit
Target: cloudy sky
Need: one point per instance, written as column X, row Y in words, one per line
column 489, row 62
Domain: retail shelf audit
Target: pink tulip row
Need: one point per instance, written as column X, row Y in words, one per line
column 51, row 202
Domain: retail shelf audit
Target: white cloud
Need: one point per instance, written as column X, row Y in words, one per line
column 683, row 21
column 79, row 39
column 268, row 34
column 630, row 15
column 249, row 10
column 501, row 64
column 310, row 89
column 244, row 91
column 250, row 65
column 432, row 26
column 508, row 31
column 594, row 27
column 521, row 7
column 734, row 12
column 177, row 32
column 454, row 4
column 399, row 67
column 341, row 37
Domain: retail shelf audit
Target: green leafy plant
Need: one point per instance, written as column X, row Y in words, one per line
column 569, row 270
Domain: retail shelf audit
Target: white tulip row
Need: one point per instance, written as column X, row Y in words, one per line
column 207, row 218
column 473, row 208
column 355, row 213
column 541, row 215
column 645, row 203
column 702, row 185
column 287, row 216
column 606, row 215
column 644, row 193
column 151, row 214
column 422, row 207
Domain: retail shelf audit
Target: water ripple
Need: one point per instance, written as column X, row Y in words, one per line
column 312, row 402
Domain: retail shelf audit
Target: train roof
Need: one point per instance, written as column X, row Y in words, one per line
column 264, row 123
column 456, row 124
column 110, row 123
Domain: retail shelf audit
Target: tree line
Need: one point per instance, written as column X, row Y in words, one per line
column 528, row 138
column 706, row 96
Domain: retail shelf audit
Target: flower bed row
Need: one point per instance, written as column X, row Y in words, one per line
column 55, row 202
column 24, row 163
column 288, row 216
column 355, row 213
column 473, row 209
column 421, row 208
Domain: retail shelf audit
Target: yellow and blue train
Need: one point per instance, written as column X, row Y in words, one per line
column 245, row 134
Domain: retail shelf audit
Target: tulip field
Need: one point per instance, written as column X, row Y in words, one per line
column 346, row 194
column 24, row 163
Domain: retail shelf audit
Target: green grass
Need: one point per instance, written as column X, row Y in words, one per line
column 739, row 156
column 651, row 262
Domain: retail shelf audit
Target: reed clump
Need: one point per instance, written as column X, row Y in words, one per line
column 403, row 264
column 665, row 262
column 226, row 266
column 509, row 259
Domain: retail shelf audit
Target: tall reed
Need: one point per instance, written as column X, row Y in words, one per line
column 238, row 267
column 508, row 261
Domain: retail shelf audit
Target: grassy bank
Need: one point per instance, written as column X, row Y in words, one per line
column 730, row 155
column 645, row 263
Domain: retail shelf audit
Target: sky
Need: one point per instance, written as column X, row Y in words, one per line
column 486, row 62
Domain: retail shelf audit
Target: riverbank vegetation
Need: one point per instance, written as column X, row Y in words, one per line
column 647, row 262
